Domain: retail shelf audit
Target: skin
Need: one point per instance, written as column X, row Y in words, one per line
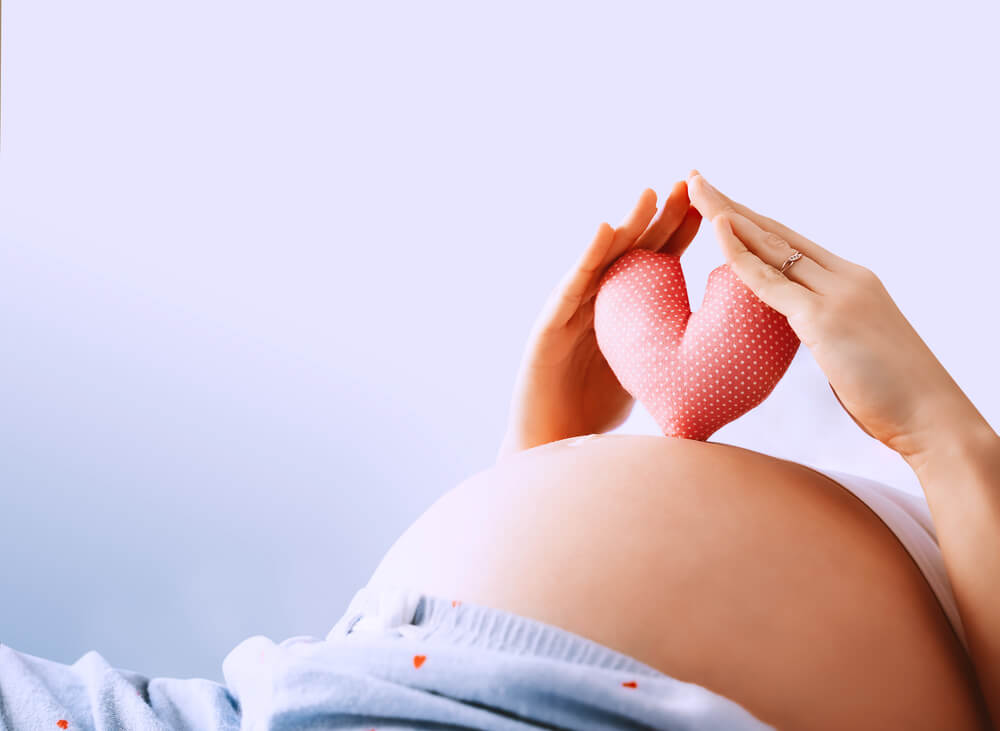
column 755, row 577
column 758, row 578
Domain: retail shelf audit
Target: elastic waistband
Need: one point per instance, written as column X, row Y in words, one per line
column 407, row 612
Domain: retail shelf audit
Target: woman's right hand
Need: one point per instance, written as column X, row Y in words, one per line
column 879, row 368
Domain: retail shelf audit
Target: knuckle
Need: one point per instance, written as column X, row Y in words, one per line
column 812, row 323
column 774, row 241
column 764, row 290
column 857, row 272
column 771, row 274
column 862, row 283
column 770, row 279
column 747, row 258
column 811, row 311
column 807, row 317
column 867, row 276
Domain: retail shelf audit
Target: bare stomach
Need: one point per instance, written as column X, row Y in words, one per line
column 755, row 577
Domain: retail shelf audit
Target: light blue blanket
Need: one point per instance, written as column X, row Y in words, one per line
column 465, row 667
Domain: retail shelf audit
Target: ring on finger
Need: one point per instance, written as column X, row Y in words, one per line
column 795, row 256
column 778, row 253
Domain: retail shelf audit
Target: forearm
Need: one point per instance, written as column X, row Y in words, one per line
column 959, row 471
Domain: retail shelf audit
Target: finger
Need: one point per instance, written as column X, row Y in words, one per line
column 771, row 287
column 684, row 234
column 577, row 285
column 666, row 222
column 633, row 225
column 592, row 263
column 706, row 198
column 710, row 201
column 774, row 250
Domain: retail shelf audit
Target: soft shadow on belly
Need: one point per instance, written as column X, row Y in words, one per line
column 756, row 577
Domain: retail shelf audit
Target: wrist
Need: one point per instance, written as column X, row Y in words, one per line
column 961, row 435
column 941, row 419
column 514, row 441
column 520, row 440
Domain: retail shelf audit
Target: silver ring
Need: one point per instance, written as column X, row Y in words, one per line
column 790, row 260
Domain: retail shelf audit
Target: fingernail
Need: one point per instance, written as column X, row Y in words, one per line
column 693, row 172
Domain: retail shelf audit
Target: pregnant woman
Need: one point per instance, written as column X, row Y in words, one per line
column 760, row 579
column 590, row 581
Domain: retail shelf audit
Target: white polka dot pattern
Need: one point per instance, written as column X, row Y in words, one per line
column 697, row 372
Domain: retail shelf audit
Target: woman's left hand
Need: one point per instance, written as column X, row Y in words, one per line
column 564, row 386
column 881, row 371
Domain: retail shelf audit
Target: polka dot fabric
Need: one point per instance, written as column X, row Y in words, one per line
column 693, row 372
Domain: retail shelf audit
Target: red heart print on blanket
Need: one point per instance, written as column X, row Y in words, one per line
column 693, row 372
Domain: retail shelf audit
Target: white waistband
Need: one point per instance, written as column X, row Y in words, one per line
column 908, row 516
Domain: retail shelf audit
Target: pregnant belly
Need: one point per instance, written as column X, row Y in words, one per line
column 758, row 578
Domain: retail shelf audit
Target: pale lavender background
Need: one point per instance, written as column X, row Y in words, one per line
column 266, row 269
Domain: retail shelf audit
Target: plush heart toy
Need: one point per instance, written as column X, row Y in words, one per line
column 693, row 372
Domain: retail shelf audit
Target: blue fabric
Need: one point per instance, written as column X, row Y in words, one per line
column 36, row 693
column 397, row 659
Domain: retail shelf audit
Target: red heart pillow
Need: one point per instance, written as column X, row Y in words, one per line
column 693, row 372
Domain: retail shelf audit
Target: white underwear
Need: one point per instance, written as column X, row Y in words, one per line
column 908, row 516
